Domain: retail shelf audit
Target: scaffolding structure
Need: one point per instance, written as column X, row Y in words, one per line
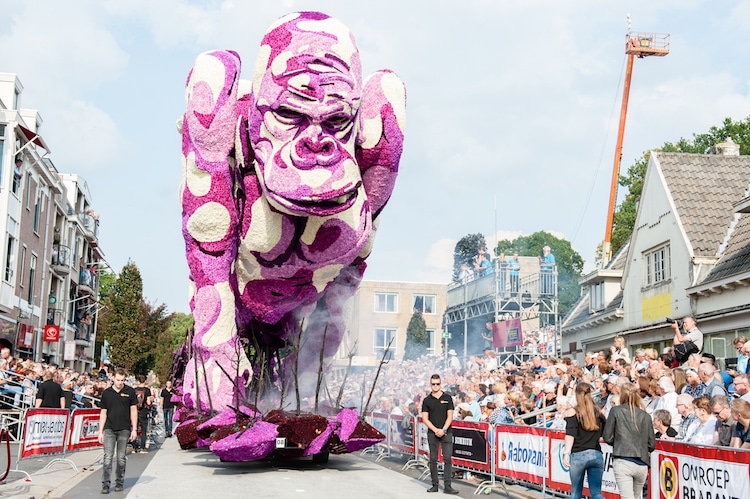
column 529, row 294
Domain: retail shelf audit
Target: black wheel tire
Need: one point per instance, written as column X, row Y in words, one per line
column 320, row 458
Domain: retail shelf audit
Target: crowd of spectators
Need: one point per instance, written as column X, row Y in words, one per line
column 694, row 402
column 21, row 379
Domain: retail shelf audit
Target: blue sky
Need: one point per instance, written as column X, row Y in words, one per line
column 512, row 110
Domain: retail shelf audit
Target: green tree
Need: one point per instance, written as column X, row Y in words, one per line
column 569, row 263
column 153, row 334
column 129, row 324
column 466, row 249
column 120, row 320
column 416, row 337
column 168, row 341
column 624, row 216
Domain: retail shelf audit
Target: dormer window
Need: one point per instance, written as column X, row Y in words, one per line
column 596, row 297
column 657, row 263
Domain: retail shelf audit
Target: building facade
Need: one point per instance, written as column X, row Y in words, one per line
column 686, row 257
column 380, row 313
column 50, row 245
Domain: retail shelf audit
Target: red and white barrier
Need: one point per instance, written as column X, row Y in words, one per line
column 44, row 431
column 535, row 455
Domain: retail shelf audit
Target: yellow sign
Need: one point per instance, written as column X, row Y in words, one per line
column 656, row 307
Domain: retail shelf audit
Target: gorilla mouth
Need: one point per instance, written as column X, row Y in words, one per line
column 320, row 206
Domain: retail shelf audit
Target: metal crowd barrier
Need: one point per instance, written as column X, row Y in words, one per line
column 533, row 457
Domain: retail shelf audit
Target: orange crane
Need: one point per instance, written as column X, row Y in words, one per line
column 637, row 44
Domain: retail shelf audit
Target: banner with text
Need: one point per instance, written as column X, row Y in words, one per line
column 522, row 452
column 560, row 474
column 686, row 471
column 471, row 445
column 507, row 333
column 84, row 429
column 45, row 431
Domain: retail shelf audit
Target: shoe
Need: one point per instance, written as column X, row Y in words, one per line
column 144, row 451
column 434, row 488
column 449, row 490
column 118, row 488
column 105, row 489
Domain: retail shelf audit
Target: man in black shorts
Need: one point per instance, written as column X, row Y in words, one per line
column 118, row 421
column 437, row 414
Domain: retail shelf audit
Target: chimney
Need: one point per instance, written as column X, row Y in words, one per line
column 728, row 148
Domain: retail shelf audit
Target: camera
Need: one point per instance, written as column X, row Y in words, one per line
column 675, row 321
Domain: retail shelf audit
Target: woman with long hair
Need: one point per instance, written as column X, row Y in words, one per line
column 583, row 454
column 630, row 431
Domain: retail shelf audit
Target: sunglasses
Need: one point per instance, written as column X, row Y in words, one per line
column 716, row 413
column 435, row 384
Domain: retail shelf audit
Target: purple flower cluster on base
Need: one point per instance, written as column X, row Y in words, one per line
column 306, row 434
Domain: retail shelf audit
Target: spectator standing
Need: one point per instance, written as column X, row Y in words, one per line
column 143, row 403
column 584, row 426
column 741, row 414
column 741, row 367
column 5, row 386
column 694, row 387
column 619, row 350
column 687, row 420
column 703, row 432
column 453, row 360
column 437, row 415
column 167, row 407
column 692, row 334
column 742, row 387
column 707, row 374
column 546, row 268
column 725, row 424
column 118, row 420
column 630, row 432
column 663, row 425
column 50, row 393
column 514, row 265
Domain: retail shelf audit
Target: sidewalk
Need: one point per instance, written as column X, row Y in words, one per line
column 53, row 481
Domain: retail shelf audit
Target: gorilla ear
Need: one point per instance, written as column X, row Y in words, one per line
column 380, row 137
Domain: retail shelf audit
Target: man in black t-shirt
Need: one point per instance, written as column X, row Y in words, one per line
column 437, row 414
column 118, row 420
column 50, row 393
column 167, row 407
column 144, row 399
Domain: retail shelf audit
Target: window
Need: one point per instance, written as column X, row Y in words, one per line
column 2, row 149
column 658, row 263
column 10, row 249
column 424, row 304
column 431, row 341
column 27, row 194
column 32, row 271
column 383, row 336
column 16, row 182
column 597, row 296
column 386, row 302
column 37, row 211
column 22, row 264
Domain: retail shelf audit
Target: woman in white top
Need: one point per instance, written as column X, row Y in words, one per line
column 619, row 350
column 703, row 432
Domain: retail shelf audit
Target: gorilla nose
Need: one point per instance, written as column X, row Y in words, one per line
column 312, row 152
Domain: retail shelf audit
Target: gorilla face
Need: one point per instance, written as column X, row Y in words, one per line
column 306, row 161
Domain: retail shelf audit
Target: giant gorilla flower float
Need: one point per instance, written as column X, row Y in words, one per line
column 284, row 178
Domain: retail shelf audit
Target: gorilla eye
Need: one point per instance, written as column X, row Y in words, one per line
column 289, row 116
column 337, row 123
